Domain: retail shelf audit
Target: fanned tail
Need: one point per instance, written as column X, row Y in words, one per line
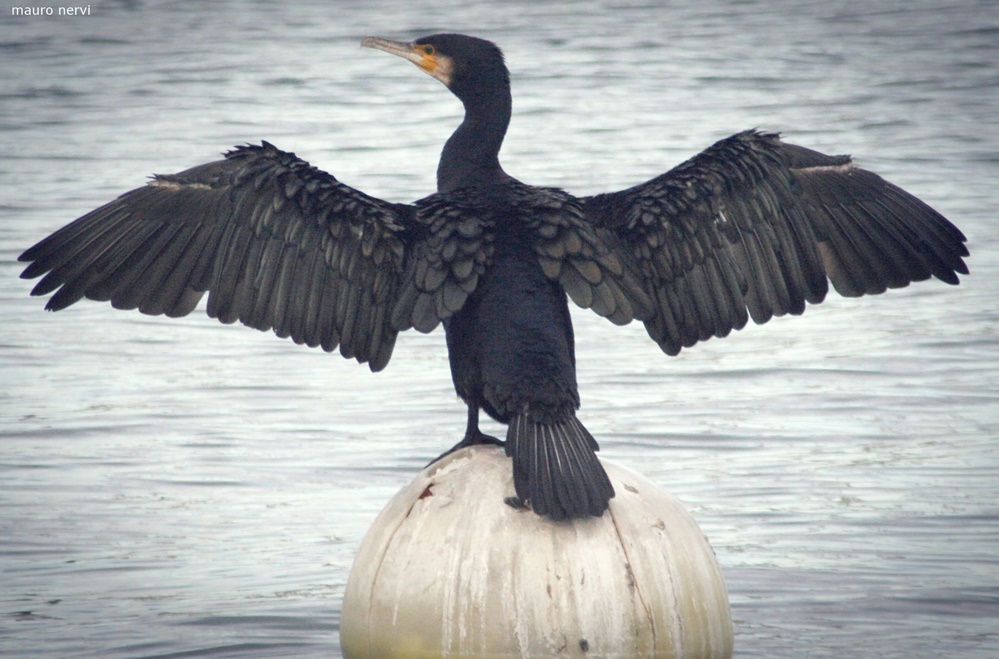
column 555, row 468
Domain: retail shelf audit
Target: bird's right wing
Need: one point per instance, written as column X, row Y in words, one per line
column 872, row 235
column 755, row 227
column 276, row 243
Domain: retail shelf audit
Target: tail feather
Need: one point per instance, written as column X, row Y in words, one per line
column 556, row 470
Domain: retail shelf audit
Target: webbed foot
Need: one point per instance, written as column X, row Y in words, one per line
column 472, row 438
column 516, row 503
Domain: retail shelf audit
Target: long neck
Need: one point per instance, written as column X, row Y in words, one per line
column 471, row 155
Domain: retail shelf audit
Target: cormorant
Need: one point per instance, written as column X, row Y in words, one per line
column 752, row 227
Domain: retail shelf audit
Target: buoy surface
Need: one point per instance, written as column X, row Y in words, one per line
column 450, row 570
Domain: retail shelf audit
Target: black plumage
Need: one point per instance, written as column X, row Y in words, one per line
column 752, row 227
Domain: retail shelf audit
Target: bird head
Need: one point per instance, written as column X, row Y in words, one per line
column 466, row 65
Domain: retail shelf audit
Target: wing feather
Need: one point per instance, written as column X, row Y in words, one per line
column 756, row 225
column 276, row 244
column 457, row 232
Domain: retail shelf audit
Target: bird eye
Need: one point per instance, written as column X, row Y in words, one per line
column 428, row 49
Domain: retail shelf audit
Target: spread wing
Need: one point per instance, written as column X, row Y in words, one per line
column 754, row 227
column 276, row 243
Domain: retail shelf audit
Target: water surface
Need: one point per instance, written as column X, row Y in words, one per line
column 181, row 488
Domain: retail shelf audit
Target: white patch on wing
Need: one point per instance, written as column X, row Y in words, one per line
column 176, row 185
column 841, row 169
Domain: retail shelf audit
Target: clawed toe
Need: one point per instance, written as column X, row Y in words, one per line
column 516, row 503
column 474, row 438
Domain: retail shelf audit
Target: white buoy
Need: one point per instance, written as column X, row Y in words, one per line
column 449, row 570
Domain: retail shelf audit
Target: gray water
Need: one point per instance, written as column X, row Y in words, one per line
column 182, row 488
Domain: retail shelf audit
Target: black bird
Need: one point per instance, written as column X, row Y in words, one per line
column 752, row 227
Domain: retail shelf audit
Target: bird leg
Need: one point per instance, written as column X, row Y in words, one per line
column 473, row 436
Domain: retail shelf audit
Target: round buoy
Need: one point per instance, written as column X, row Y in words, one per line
column 448, row 569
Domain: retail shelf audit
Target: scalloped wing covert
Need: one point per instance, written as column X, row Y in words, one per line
column 444, row 267
column 462, row 229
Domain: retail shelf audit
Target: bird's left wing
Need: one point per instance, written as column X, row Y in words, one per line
column 277, row 244
column 443, row 268
column 754, row 227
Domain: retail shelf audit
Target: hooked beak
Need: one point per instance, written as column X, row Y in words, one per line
column 422, row 55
